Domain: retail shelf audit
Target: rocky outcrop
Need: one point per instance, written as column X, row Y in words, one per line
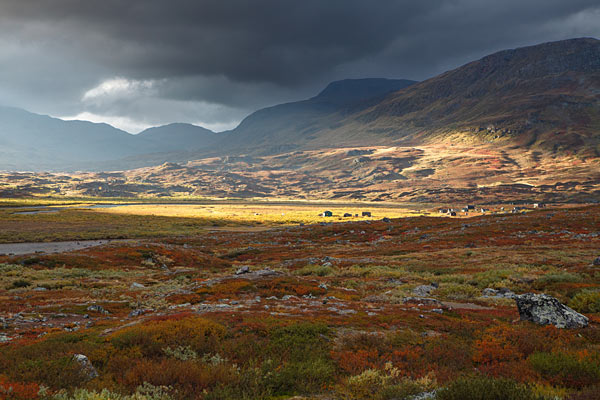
column 424, row 290
column 87, row 369
column 546, row 310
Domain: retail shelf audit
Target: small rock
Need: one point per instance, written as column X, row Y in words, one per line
column 97, row 308
column 322, row 286
column 243, row 270
column 386, row 219
column 437, row 310
column 421, row 300
column 86, row 366
column 500, row 293
column 547, row 310
column 138, row 312
column 266, row 272
column 136, row 285
column 425, row 396
column 4, row 338
column 40, row 289
column 596, row 261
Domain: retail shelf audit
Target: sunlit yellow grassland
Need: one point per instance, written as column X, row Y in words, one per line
column 258, row 214
column 34, row 220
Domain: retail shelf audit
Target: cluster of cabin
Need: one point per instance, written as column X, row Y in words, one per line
column 328, row 213
column 471, row 208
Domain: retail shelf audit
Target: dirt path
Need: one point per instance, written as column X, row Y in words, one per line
column 48, row 247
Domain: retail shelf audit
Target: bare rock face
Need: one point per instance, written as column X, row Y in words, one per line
column 546, row 310
column 86, row 366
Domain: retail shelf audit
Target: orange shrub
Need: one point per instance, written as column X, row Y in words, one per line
column 18, row 391
column 189, row 378
column 355, row 362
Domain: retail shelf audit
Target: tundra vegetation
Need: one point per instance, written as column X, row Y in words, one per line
column 355, row 309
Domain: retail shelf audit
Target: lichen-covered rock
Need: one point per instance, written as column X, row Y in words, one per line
column 424, row 290
column 546, row 310
column 500, row 293
column 243, row 270
column 87, row 368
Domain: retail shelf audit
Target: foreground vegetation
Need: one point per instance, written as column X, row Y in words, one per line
column 335, row 313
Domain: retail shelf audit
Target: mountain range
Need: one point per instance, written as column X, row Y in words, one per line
column 543, row 98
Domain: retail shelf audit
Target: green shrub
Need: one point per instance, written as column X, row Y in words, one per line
column 301, row 360
column 386, row 384
column 586, row 301
column 318, row 270
column 567, row 369
column 143, row 392
column 299, row 342
column 483, row 388
column 489, row 278
column 306, row 376
column 560, row 277
column 20, row 283
column 458, row 291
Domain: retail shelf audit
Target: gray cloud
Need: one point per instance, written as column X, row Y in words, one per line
column 213, row 61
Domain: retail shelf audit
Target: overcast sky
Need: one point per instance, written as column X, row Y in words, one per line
column 140, row 63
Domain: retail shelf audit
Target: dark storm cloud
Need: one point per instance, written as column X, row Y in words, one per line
column 232, row 56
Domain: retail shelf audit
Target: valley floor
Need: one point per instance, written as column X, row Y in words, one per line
column 357, row 309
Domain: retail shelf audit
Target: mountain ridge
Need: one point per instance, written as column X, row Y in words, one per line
column 543, row 97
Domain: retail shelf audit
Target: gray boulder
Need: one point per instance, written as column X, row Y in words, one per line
column 86, row 366
column 596, row 261
column 546, row 310
column 243, row 270
column 424, row 290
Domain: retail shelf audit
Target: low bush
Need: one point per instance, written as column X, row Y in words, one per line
column 571, row 370
column 484, row 388
column 143, row 392
column 586, row 301
column 458, row 291
column 19, row 283
column 385, row 384
column 318, row 270
column 17, row 390
column 300, row 354
column 199, row 335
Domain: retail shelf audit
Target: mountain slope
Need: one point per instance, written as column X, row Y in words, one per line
column 545, row 96
column 289, row 125
column 177, row 137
